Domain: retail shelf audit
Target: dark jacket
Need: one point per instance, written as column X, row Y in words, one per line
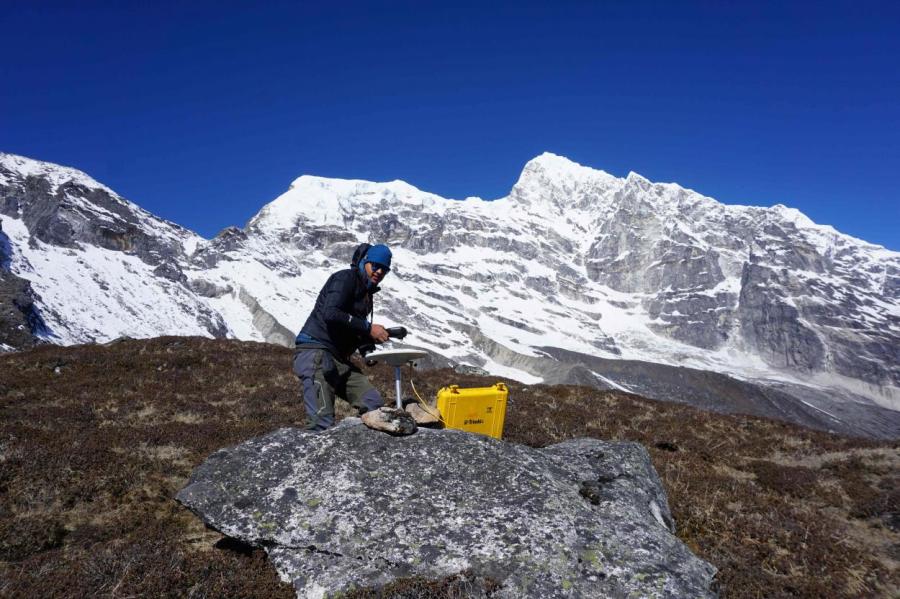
column 339, row 321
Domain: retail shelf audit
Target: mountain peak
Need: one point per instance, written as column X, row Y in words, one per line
column 555, row 166
column 326, row 200
column 633, row 176
column 314, row 182
column 56, row 174
column 550, row 167
column 549, row 158
column 549, row 180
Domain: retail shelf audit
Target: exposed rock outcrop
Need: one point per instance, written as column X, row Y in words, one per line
column 20, row 321
column 267, row 325
column 73, row 209
column 352, row 507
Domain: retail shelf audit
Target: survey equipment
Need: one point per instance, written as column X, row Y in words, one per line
column 393, row 333
column 396, row 358
column 475, row 409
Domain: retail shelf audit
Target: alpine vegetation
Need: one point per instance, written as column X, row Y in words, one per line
column 96, row 441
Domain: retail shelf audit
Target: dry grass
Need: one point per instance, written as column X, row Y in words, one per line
column 95, row 441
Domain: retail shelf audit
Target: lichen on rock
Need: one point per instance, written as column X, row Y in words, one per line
column 352, row 507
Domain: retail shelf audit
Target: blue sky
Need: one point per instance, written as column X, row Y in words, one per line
column 202, row 112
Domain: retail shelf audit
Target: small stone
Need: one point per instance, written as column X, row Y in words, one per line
column 390, row 420
column 421, row 415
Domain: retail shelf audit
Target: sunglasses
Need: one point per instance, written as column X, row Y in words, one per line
column 376, row 267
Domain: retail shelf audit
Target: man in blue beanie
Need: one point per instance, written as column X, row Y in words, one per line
column 340, row 323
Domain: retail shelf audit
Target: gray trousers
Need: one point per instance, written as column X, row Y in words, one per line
column 322, row 377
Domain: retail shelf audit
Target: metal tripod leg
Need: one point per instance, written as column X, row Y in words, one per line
column 397, row 376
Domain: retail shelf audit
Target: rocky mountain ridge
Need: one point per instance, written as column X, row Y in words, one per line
column 573, row 259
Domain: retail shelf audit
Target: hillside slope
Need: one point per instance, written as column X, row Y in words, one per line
column 96, row 440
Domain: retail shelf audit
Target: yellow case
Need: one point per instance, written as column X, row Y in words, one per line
column 477, row 409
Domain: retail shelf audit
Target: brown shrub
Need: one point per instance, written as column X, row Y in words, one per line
column 797, row 481
column 872, row 489
column 24, row 536
column 464, row 585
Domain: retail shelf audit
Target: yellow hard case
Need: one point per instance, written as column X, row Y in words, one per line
column 477, row 409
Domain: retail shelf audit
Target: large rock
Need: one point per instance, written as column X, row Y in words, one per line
column 352, row 507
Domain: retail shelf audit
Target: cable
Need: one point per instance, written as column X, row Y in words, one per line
column 436, row 413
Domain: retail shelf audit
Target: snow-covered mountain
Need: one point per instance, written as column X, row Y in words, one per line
column 575, row 276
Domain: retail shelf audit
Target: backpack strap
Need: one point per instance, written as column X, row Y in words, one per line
column 358, row 254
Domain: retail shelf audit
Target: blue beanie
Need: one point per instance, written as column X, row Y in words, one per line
column 380, row 254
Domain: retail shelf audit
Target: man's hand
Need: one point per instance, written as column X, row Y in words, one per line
column 379, row 333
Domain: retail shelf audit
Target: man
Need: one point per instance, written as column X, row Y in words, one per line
column 339, row 324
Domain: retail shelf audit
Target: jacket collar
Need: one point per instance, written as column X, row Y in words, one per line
column 361, row 280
